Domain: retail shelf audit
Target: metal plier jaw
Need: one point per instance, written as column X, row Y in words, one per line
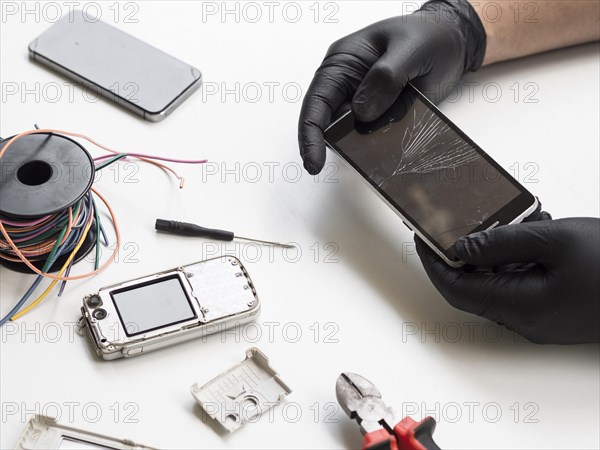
column 382, row 428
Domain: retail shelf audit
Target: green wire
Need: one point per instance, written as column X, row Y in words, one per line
column 57, row 244
column 110, row 161
column 96, row 215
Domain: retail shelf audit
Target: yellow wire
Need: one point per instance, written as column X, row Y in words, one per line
column 62, row 270
column 36, row 302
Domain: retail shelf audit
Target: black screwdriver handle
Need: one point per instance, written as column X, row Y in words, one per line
column 192, row 230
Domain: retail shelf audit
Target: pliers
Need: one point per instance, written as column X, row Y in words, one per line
column 381, row 427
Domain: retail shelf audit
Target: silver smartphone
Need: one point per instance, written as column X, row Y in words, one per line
column 166, row 308
column 441, row 183
column 44, row 433
column 120, row 67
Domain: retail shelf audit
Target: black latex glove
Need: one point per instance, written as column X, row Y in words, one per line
column 432, row 48
column 555, row 299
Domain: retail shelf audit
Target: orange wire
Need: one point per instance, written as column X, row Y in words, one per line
column 31, row 227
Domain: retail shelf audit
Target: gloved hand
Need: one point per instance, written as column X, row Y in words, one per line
column 554, row 299
column 432, row 48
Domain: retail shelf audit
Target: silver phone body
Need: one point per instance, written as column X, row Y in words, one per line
column 44, row 433
column 116, row 65
column 169, row 307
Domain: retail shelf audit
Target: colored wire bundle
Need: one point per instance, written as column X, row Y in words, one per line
column 62, row 234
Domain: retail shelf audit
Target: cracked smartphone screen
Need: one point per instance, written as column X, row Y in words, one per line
column 427, row 169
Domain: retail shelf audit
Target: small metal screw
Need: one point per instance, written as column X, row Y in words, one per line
column 250, row 303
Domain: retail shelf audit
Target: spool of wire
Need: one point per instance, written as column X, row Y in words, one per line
column 49, row 217
column 45, row 193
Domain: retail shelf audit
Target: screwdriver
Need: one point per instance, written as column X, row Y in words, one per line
column 193, row 230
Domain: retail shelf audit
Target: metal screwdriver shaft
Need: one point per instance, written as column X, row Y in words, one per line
column 193, row 230
column 258, row 241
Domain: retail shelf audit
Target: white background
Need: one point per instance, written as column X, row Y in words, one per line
column 371, row 300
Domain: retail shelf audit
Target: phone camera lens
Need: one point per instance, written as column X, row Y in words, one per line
column 94, row 301
column 100, row 314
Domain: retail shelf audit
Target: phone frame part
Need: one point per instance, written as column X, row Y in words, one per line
column 243, row 393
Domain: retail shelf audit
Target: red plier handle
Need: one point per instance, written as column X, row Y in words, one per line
column 408, row 435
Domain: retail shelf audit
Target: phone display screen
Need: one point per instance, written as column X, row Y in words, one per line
column 152, row 305
column 441, row 181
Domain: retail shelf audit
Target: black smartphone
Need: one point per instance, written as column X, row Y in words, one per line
column 114, row 64
column 442, row 184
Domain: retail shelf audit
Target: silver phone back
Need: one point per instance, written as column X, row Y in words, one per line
column 116, row 65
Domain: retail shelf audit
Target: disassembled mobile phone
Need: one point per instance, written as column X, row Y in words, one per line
column 117, row 66
column 441, row 184
column 170, row 307
column 45, row 433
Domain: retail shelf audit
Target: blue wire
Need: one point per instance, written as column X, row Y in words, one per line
column 103, row 232
column 21, row 302
column 64, row 248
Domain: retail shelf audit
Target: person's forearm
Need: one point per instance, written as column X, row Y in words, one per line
column 518, row 28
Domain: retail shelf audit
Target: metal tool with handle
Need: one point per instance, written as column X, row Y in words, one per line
column 193, row 230
column 381, row 427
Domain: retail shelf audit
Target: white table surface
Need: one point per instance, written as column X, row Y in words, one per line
column 357, row 291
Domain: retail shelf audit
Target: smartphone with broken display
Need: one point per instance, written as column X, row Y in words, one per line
column 441, row 184
column 166, row 308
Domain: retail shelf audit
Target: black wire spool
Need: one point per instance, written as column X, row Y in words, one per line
column 43, row 174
